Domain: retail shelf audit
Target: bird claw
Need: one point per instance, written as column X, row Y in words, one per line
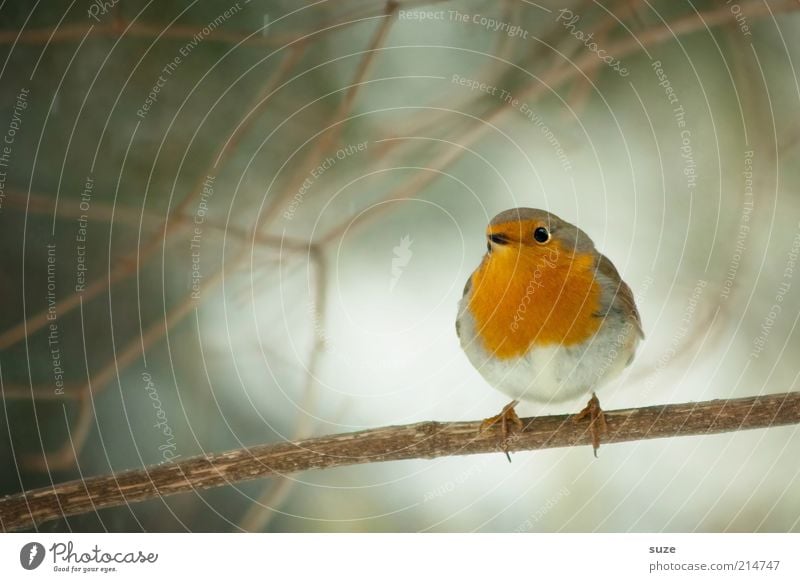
column 597, row 421
column 507, row 417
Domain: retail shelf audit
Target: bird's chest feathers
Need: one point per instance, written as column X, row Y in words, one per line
column 519, row 302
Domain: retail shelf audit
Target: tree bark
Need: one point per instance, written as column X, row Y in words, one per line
column 426, row 440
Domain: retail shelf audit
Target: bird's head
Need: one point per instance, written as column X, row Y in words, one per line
column 524, row 235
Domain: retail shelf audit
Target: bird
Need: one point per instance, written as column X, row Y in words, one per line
column 546, row 317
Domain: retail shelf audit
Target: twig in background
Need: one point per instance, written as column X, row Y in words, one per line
column 327, row 139
column 259, row 514
column 73, row 32
column 79, row 429
column 65, row 456
column 128, row 265
column 274, row 494
column 555, row 77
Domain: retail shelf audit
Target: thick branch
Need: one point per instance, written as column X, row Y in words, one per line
column 422, row 440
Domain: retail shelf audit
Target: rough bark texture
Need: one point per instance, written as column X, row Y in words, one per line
column 422, row 440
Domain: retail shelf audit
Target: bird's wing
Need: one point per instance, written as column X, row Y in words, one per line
column 617, row 296
column 467, row 286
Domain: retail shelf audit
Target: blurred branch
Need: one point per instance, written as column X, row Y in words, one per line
column 331, row 133
column 72, row 391
column 175, row 223
column 582, row 87
column 408, row 189
column 169, row 226
column 581, row 69
column 260, row 513
column 119, row 214
column 679, row 27
column 63, row 457
column 584, row 68
column 425, row 440
column 119, row 26
column 126, row 267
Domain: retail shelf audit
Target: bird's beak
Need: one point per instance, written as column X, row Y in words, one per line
column 498, row 239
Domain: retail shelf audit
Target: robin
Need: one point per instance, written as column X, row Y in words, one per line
column 546, row 317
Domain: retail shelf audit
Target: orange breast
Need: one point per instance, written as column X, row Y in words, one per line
column 522, row 298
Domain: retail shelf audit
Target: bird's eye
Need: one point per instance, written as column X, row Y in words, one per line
column 541, row 235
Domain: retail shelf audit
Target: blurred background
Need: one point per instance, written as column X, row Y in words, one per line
column 234, row 223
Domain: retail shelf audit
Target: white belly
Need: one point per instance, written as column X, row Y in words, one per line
column 550, row 374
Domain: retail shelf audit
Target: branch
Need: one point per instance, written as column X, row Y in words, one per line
column 137, row 29
column 426, row 440
column 261, row 512
column 171, row 225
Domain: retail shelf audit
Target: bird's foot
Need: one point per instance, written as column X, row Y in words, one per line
column 597, row 421
column 507, row 418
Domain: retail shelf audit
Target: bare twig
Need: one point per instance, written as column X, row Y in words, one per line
column 172, row 225
column 260, row 513
column 324, row 144
column 582, row 87
column 71, row 391
column 64, row 457
column 115, row 28
column 425, row 440
column 555, row 76
column 35, row 203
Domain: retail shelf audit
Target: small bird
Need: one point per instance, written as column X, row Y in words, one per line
column 546, row 317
